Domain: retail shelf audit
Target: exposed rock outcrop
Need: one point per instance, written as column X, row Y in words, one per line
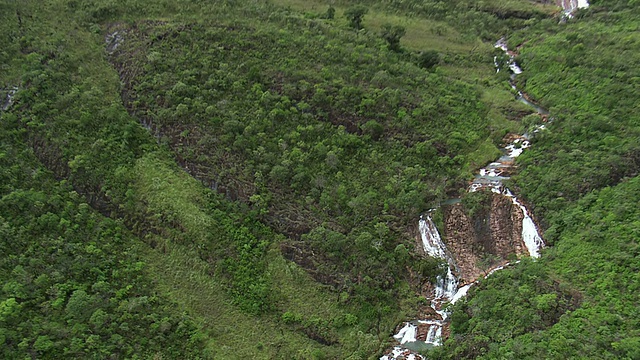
column 485, row 239
column 505, row 223
column 462, row 242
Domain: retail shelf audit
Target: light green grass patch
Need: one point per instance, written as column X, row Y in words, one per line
column 422, row 34
column 171, row 193
column 300, row 293
column 484, row 154
column 184, row 277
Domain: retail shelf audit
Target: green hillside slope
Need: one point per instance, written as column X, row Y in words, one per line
column 582, row 178
column 219, row 179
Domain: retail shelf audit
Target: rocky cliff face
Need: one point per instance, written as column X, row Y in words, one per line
column 485, row 239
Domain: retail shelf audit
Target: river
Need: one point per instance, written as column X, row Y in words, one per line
column 490, row 177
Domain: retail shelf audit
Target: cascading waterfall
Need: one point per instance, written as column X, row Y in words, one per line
column 490, row 177
column 431, row 240
column 432, row 244
column 446, row 286
column 407, row 334
column 569, row 6
column 434, row 335
column 446, row 290
column 530, row 235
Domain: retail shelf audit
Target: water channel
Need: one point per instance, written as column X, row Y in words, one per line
column 491, row 177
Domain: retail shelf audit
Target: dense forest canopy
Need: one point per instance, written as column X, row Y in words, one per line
column 219, row 179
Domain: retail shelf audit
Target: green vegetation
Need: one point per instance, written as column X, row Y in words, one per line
column 392, row 34
column 355, row 16
column 582, row 178
column 189, row 179
column 73, row 286
column 290, row 193
column 252, row 120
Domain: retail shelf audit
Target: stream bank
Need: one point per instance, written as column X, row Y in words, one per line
column 477, row 246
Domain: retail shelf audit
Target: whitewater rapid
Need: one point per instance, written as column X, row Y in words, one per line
column 569, row 6
column 446, row 289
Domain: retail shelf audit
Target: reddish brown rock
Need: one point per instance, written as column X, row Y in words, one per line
column 461, row 241
column 486, row 239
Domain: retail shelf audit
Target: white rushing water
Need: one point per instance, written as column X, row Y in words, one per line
column 401, row 353
column 445, row 291
column 446, row 287
column 460, row 293
column 434, row 336
column 530, row 235
column 431, row 241
column 515, row 70
column 407, row 334
column 569, row 6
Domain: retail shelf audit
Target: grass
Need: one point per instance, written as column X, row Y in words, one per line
column 300, row 293
column 422, row 34
column 485, row 153
column 172, row 194
column 460, row 56
column 518, row 5
column 184, row 277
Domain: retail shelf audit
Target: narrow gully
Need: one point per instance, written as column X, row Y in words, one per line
column 491, row 177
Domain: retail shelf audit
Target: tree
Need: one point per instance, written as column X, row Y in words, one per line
column 392, row 34
column 355, row 15
column 373, row 128
column 428, row 59
column 331, row 12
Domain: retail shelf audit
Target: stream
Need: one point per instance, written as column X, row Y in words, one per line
column 491, row 177
column 446, row 289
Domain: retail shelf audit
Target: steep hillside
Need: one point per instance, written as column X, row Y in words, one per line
column 581, row 176
column 191, row 179
column 283, row 142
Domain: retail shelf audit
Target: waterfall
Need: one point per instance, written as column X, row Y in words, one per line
column 490, row 177
column 447, row 285
column 434, row 336
column 569, row 6
column 530, row 235
column 400, row 353
column 407, row 334
column 462, row 292
column 431, row 241
column 446, row 290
